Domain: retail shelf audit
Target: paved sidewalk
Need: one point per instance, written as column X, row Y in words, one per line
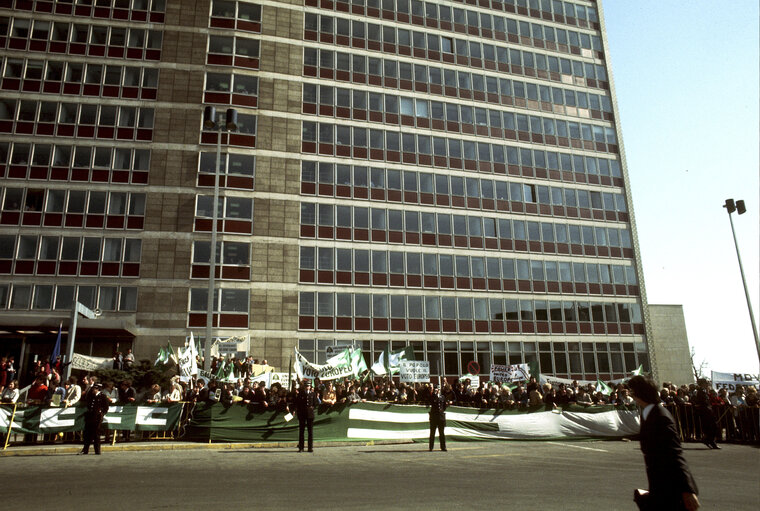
column 175, row 445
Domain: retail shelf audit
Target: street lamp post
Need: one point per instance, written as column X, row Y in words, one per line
column 739, row 207
column 228, row 124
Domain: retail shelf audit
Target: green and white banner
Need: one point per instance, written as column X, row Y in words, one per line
column 40, row 420
column 412, row 422
column 374, row 421
column 346, row 364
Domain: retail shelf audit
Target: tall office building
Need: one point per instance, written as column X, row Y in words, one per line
column 447, row 175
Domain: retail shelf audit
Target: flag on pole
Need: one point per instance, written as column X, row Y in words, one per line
column 170, row 352
column 389, row 362
column 381, row 367
column 57, row 348
column 193, row 354
column 357, row 362
column 162, row 358
column 603, row 388
column 639, row 371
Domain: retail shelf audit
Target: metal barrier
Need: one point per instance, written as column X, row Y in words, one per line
column 735, row 424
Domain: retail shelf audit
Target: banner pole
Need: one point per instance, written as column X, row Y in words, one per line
column 10, row 426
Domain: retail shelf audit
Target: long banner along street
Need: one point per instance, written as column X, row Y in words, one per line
column 382, row 421
column 44, row 420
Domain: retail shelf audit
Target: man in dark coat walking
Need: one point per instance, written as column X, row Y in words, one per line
column 306, row 401
column 97, row 406
column 671, row 485
column 437, row 417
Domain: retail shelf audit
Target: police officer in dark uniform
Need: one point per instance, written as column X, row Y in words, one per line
column 306, row 401
column 97, row 405
column 437, row 417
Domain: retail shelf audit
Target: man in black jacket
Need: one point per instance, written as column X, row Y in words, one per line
column 97, row 407
column 671, row 485
column 703, row 410
column 306, row 401
column 437, row 417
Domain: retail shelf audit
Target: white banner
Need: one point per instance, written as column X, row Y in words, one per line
column 729, row 381
column 227, row 348
column 185, row 361
column 509, row 373
column 87, row 363
column 343, row 365
column 412, row 371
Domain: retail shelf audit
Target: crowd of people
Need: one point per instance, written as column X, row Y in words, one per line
column 48, row 389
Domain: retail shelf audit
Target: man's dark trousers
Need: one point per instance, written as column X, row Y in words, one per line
column 91, row 434
column 305, row 423
column 440, row 425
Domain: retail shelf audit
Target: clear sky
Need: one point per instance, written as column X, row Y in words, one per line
column 686, row 78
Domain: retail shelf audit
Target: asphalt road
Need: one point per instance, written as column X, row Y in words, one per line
column 472, row 475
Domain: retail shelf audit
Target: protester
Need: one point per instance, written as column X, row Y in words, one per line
column 10, row 393
column 73, row 392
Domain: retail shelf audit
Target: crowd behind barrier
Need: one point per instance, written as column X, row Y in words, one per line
column 736, row 414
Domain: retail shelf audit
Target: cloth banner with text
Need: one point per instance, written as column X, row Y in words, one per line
column 729, row 381
column 43, row 420
column 509, row 373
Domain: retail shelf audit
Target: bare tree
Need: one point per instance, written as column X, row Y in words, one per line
column 698, row 371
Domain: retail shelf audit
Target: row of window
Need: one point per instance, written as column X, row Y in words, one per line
column 236, row 208
column 231, row 164
column 245, row 85
column 73, row 201
column 225, row 300
column 527, row 158
column 357, row 311
column 458, row 118
column 246, row 125
column 396, row 222
column 348, row 260
column 75, row 73
column 224, row 13
column 56, row 248
column 556, row 10
column 348, row 141
column 47, row 297
column 325, row 28
column 403, row 186
column 78, row 156
column 494, row 90
column 135, row 10
column 80, row 39
column 233, row 50
column 328, row 64
column 88, row 114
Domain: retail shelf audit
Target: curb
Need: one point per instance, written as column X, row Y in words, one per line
column 73, row 449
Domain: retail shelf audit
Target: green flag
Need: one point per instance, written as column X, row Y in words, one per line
column 639, row 371
column 162, row 357
column 382, row 367
column 534, row 371
column 396, row 357
column 170, row 352
column 603, row 388
column 357, row 362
